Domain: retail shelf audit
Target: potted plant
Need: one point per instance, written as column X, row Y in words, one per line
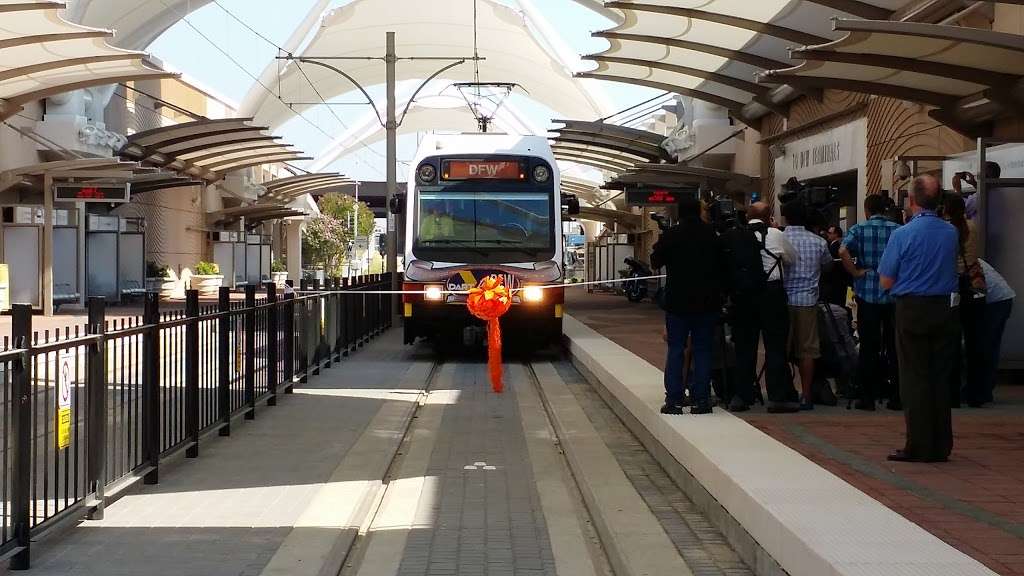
column 206, row 278
column 278, row 272
column 159, row 279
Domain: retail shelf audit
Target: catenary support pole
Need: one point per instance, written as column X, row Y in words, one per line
column 392, row 169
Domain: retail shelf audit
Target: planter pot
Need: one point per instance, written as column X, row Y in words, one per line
column 164, row 286
column 279, row 278
column 208, row 285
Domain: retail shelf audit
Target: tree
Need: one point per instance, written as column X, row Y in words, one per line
column 326, row 239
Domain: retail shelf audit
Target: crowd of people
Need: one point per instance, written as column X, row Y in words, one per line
column 928, row 312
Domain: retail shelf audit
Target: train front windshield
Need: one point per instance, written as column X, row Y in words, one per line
column 475, row 225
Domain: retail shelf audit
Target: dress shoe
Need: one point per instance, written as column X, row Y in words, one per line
column 671, row 409
column 782, row 407
column 701, row 408
column 894, row 405
column 738, row 405
column 806, row 406
column 901, row 456
column 867, row 405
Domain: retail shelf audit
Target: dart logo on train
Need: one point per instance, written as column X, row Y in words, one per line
column 476, row 205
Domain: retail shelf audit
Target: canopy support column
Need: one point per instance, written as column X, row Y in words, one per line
column 47, row 245
column 294, row 249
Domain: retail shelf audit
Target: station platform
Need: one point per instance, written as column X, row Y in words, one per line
column 972, row 503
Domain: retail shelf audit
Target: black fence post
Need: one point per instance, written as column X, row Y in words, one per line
column 21, row 426
column 151, row 387
column 272, row 341
column 327, row 322
column 96, row 392
column 250, row 351
column 363, row 331
column 316, row 342
column 223, row 360
column 192, row 372
column 289, row 343
column 303, row 336
column 339, row 321
column 346, row 315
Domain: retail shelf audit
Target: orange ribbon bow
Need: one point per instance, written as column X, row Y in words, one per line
column 489, row 301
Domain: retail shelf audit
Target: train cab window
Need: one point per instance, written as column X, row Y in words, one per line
column 468, row 224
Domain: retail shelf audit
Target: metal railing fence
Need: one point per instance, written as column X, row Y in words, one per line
column 97, row 405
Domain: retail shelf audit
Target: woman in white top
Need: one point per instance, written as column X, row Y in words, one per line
column 999, row 299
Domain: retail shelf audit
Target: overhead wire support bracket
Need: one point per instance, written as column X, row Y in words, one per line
column 369, row 100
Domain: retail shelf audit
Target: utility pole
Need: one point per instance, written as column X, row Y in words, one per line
column 390, row 60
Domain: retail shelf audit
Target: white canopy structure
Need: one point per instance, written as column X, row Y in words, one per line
column 41, row 54
column 711, row 50
column 426, row 114
column 440, row 28
column 138, row 22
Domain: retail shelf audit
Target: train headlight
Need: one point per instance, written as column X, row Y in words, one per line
column 433, row 292
column 533, row 294
column 541, row 173
column 427, row 173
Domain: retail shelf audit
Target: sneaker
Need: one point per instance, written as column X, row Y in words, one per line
column 894, row 405
column 806, row 406
column 738, row 405
column 671, row 409
column 701, row 408
column 868, row 405
column 782, row 407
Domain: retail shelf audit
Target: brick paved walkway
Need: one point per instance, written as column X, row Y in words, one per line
column 974, row 502
column 486, row 517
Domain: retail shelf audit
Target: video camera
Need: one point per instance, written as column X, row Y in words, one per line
column 723, row 214
column 818, row 201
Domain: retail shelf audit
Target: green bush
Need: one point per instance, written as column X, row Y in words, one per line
column 154, row 270
column 207, row 269
column 278, row 265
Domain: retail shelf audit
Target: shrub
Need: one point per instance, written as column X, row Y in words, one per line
column 278, row 265
column 207, row 269
column 154, row 270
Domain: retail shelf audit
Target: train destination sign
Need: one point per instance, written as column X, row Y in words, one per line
column 482, row 170
column 656, row 196
column 80, row 192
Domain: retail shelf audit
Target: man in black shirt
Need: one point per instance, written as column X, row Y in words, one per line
column 691, row 253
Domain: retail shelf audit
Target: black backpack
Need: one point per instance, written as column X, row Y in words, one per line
column 746, row 270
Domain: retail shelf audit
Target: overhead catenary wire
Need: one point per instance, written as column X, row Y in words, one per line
column 184, row 18
column 298, row 66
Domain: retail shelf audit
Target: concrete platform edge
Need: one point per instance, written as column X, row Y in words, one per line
column 799, row 514
column 324, row 534
column 634, row 541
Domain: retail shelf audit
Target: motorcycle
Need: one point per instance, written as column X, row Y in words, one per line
column 636, row 290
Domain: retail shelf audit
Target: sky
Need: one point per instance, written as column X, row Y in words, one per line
column 231, row 56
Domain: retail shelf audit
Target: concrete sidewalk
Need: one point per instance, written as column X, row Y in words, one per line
column 229, row 511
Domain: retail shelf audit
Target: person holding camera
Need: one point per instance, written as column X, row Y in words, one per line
column 866, row 242
column 755, row 256
column 692, row 299
column 918, row 268
column 802, row 279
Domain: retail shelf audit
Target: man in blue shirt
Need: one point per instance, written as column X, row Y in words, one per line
column 918, row 269
column 875, row 321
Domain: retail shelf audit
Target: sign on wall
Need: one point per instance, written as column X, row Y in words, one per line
column 65, row 375
column 79, row 192
column 835, row 151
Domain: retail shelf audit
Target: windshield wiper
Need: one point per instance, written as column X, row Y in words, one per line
column 456, row 244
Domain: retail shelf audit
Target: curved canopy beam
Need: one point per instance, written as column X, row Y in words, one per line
column 724, row 19
column 738, row 55
column 731, row 105
column 744, row 85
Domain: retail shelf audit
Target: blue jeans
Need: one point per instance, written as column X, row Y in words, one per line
column 701, row 327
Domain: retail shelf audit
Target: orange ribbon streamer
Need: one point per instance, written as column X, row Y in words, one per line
column 489, row 301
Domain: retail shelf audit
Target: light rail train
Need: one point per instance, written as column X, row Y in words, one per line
column 481, row 204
